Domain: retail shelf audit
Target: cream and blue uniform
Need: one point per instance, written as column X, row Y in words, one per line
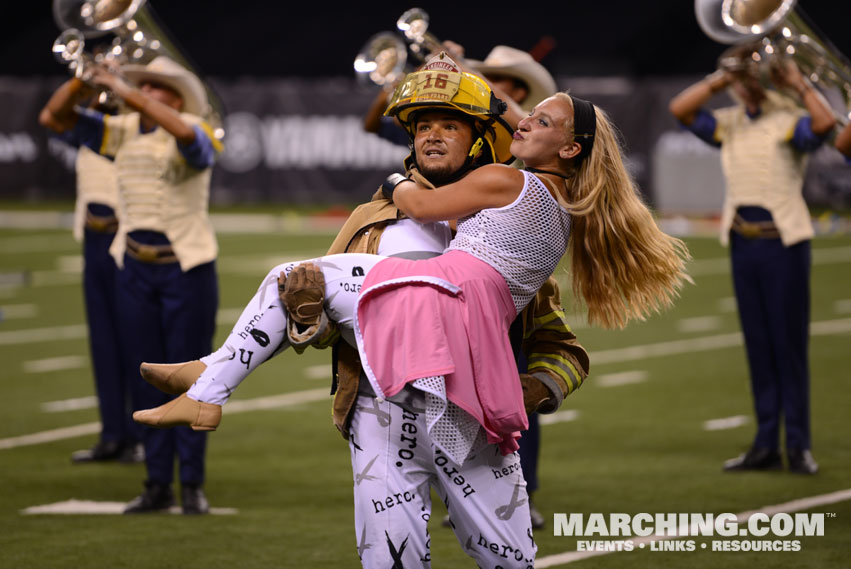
column 165, row 249
column 767, row 225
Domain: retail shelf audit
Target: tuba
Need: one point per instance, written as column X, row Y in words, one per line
column 779, row 29
column 138, row 39
column 383, row 59
column 69, row 48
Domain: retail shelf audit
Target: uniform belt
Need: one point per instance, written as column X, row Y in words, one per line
column 157, row 254
column 755, row 229
column 101, row 224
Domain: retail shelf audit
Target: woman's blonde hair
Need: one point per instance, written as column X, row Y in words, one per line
column 623, row 266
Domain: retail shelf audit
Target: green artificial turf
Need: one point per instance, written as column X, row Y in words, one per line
column 633, row 443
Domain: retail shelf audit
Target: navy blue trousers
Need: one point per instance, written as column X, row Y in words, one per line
column 772, row 285
column 530, row 441
column 167, row 316
column 111, row 385
column 530, row 444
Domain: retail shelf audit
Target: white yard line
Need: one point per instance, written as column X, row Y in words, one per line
column 59, row 363
column 55, row 278
column 826, row 327
column 699, row 324
column 559, row 559
column 38, row 243
column 559, row 417
column 75, row 507
column 271, row 402
column 671, row 348
column 702, row 344
column 51, row 436
column 621, row 378
column 701, row 267
column 725, row 423
column 32, row 335
column 227, row 316
column 13, row 311
column 728, row 304
column 321, row 371
column 69, row 404
column 278, row 401
column 828, row 255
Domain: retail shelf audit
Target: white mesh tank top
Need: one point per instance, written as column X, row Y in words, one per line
column 524, row 240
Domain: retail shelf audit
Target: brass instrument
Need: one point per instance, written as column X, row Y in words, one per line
column 137, row 37
column 383, row 59
column 70, row 49
column 779, row 29
column 138, row 40
column 414, row 24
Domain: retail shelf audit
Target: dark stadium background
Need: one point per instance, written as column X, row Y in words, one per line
column 277, row 66
column 310, row 39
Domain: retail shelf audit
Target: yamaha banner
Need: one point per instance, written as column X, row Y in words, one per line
column 302, row 142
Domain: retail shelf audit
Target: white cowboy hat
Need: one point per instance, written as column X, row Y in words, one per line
column 511, row 62
column 165, row 70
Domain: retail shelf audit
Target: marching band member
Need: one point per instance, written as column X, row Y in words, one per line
column 165, row 246
column 765, row 140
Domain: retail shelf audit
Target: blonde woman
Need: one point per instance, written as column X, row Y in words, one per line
column 623, row 267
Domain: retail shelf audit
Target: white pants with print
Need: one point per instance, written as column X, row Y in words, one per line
column 394, row 465
column 261, row 330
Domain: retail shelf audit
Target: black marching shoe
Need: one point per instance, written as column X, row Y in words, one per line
column 193, row 500
column 155, row 498
column 132, row 454
column 110, row 450
column 801, row 461
column 755, row 459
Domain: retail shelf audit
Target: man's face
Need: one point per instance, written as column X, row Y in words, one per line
column 746, row 76
column 749, row 88
column 514, row 89
column 162, row 93
column 441, row 143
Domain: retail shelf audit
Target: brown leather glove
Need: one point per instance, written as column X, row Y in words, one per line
column 535, row 393
column 302, row 293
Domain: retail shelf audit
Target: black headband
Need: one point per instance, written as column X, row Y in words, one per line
column 584, row 125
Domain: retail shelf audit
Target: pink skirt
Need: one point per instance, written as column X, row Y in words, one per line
column 446, row 316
